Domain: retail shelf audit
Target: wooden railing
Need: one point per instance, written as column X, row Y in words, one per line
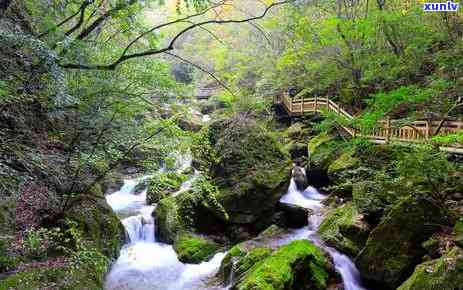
column 385, row 132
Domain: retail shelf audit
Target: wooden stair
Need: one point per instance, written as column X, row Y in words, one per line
column 384, row 133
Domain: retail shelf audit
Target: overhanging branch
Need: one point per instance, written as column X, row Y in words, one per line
column 124, row 57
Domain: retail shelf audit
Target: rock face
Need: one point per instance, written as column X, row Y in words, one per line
column 394, row 246
column 167, row 223
column 445, row 273
column 344, row 229
column 298, row 265
column 194, row 249
column 163, row 184
column 196, row 210
column 294, row 216
column 190, row 123
column 100, row 224
column 249, row 166
column 298, row 174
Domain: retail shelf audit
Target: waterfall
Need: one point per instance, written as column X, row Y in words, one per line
column 143, row 262
column 310, row 198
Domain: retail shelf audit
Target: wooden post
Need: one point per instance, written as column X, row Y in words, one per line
column 388, row 129
column 428, row 130
column 302, row 105
column 290, row 103
column 316, row 101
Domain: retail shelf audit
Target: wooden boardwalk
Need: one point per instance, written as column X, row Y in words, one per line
column 385, row 132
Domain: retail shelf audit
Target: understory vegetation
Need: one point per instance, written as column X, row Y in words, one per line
column 96, row 92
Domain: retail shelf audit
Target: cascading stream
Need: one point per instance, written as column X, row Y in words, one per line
column 311, row 199
column 144, row 263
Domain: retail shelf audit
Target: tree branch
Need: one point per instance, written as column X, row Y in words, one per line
column 222, row 84
column 124, row 57
column 81, row 11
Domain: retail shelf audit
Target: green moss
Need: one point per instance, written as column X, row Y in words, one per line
column 167, row 222
column 164, row 184
column 298, row 265
column 458, row 232
column 445, row 273
column 394, row 246
column 346, row 160
column 343, row 230
column 194, row 249
column 50, row 278
column 100, row 225
column 317, row 141
column 249, row 260
column 248, row 164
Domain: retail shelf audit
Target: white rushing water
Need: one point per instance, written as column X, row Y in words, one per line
column 144, row 263
column 310, row 198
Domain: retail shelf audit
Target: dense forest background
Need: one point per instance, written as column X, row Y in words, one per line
column 94, row 90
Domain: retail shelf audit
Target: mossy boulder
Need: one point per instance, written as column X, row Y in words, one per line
column 239, row 260
column 163, row 185
column 194, row 249
column 248, row 164
column 444, row 273
column 322, row 151
column 345, row 161
column 264, row 240
column 194, row 210
column 190, row 122
column 394, row 247
column 167, row 220
column 297, row 131
column 298, row 265
column 296, row 149
column 99, row 224
column 344, row 229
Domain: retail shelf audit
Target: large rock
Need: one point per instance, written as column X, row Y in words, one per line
column 194, row 210
column 444, row 273
column 190, row 123
column 344, row 229
column 298, row 265
column 163, row 184
column 294, row 216
column 99, row 224
column 167, row 221
column 191, row 248
column 394, row 246
column 299, row 177
column 250, row 167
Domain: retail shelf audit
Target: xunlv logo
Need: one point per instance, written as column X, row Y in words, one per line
column 447, row 7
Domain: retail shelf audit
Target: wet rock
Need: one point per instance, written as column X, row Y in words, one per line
column 298, row 265
column 190, row 123
column 253, row 171
column 444, row 273
column 394, row 246
column 298, row 174
column 191, row 248
column 99, row 224
column 294, row 216
column 344, row 229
